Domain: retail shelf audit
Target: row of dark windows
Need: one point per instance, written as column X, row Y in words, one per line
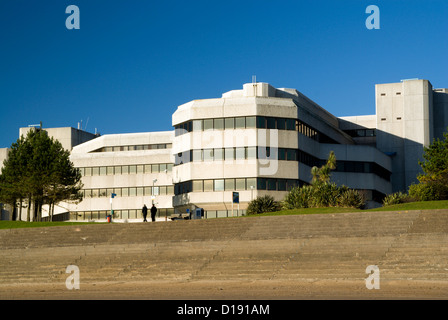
column 356, row 133
column 236, row 184
column 288, row 154
column 118, row 214
column 135, row 147
column 126, row 169
column 259, row 122
column 128, row 191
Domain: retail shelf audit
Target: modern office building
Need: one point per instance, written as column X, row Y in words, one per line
column 255, row 141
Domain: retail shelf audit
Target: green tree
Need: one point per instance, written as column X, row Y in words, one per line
column 39, row 172
column 322, row 174
column 434, row 179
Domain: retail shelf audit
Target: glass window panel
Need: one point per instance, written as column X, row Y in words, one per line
column 208, row 124
column 162, row 167
column 218, row 124
column 125, row 192
column 208, row 185
column 270, row 122
column 147, row 191
column 197, row 155
column 261, row 183
column 88, row 172
column 251, row 122
column 88, row 193
column 281, row 123
column 251, row 182
column 240, row 153
column 132, row 191
column 240, row 184
column 281, row 154
column 197, row 186
column 229, row 153
column 170, row 190
column 229, row 123
column 272, row 184
column 117, row 170
column 169, row 167
column 281, row 185
column 110, row 171
column 140, row 168
column 154, row 168
column 95, row 171
column 261, row 122
column 109, row 192
column 290, row 124
column 208, row 155
column 81, row 170
column 95, row 193
column 147, row 168
column 133, row 169
column 291, row 154
column 197, row 125
column 125, row 169
column 156, row 191
column 162, row 191
column 117, row 191
column 139, row 191
column 251, row 152
column 219, row 185
column 240, row 123
column 218, row 154
column 229, row 184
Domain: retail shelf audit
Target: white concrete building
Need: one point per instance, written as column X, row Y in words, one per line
column 254, row 141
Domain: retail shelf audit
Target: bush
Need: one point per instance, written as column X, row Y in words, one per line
column 396, row 198
column 263, row 204
column 352, row 199
column 428, row 191
column 325, row 195
column 298, row 197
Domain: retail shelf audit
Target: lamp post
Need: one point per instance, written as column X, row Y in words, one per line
column 153, row 190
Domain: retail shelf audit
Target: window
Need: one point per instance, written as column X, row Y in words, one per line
column 88, row 172
column 218, row 124
column 110, row 171
column 125, row 192
column 240, row 123
column 117, row 170
column 218, row 154
column 229, row 154
column 290, row 124
column 154, row 168
column 281, row 154
column 281, row 185
column 251, row 122
column 125, row 169
column 261, row 183
column 281, row 124
column 133, row 169
column 240, row 184
column 197, row 125
column 240, row 153
column 208, row 155
column 197, row 155
column 229, row 184
column 251, row 182
column 147, row 191
column 251, row 152
column 219, row 185
column 140, row 169
column 208, row 124
column 117, row 191
column 272, row 184
column 261, row 122
column 95, row 171
column 197, row 186
column 140, row 191
column 270, row 122
column 291, row 154
column 132, row 192
column 208, row 185
column 229, row 123
column 162, row 167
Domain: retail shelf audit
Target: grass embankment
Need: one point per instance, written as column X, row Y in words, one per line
column 423, row 205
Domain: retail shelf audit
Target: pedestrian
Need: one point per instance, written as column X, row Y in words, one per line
column 145, row 212
column 153, row 212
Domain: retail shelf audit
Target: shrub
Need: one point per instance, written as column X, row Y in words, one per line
column 298, row 197
column 428, row 191
column 325, row 195
column 263, row 204
column 351, row 199
column 396, row 198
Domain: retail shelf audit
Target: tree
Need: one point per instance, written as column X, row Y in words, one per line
column 434, row 179
column 38, row 171
column 322, row 174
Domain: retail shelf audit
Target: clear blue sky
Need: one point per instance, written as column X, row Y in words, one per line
column 133, row 62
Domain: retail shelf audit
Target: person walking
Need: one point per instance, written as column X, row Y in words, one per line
column 153, row 212
column 145, row 212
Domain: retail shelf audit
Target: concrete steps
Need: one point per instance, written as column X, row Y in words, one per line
column 407, row 245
